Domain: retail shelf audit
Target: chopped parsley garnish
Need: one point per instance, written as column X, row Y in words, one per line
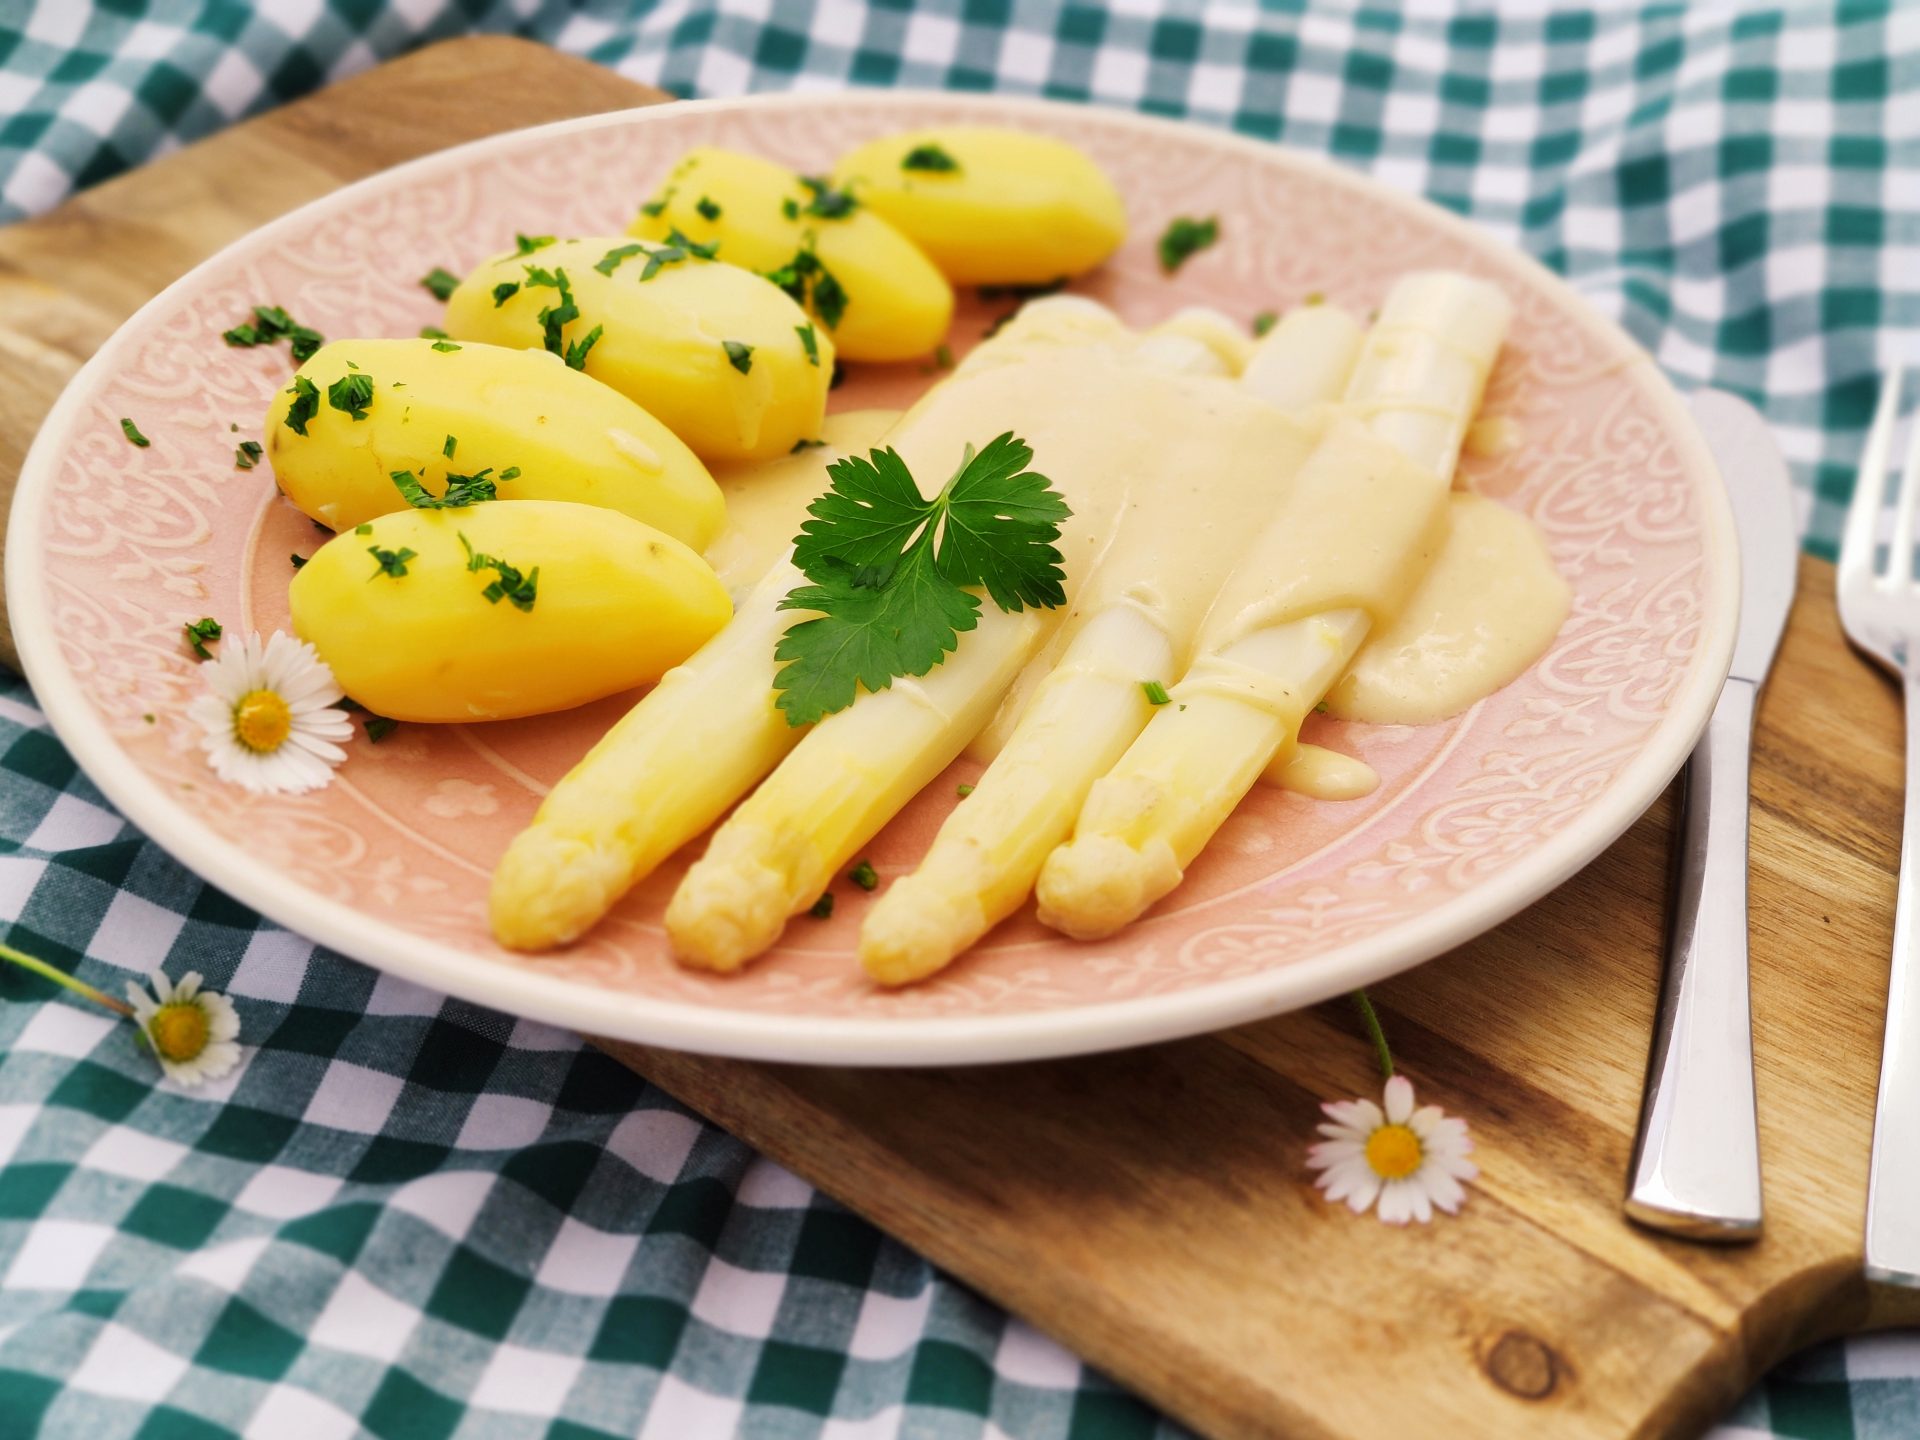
column 708, row 210
column 677, row 248
column 576, row 356
column 827, row 202
column 389, row 562
column 888, row 570
column 822, row 909
column 1156, row 692
column 810, row 343
column 839, row 375
column 556, row 317
column 271, row 323
column 963, row 790
column 445, row 347
column 199, row 632
column 247, row 455
column 790, row 208
column 306, row 404
column 520, row 590
column 929, row 157
column 298, row 560
column 440, row 283
column 800, row 445
column 942, row 360
column 811, row 284
column 739, row 355
column 132, row 432
column 527, row 244
column 461, row 491
column 504, row 292
column 653, row 208
column 448, row 446
column 1184, row 238
column 433, row 332
column 865, row 876
column 351, row 395
column 379, row 727
column 610, row 261
column 1263, row 322
column 362, row 529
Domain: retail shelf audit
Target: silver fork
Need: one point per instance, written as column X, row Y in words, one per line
column 1880, row 609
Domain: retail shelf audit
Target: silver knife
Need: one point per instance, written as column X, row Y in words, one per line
column 1696, row 1160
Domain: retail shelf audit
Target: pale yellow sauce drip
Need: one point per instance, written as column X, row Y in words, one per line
column 767, row 500
column 1321, row 774
column 1485, row 610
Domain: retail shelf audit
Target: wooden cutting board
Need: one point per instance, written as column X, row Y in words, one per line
column 1153, row 1209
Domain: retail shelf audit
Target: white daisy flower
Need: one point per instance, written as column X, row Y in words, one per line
column 1409, row 1160
column 270, row 720
column 192, row 1031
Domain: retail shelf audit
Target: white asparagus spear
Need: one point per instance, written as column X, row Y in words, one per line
column 666, row 771
column 781, row 847
column 1279, row 637
column 1079, row 721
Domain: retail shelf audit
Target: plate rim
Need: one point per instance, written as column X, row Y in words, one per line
column 521, row 990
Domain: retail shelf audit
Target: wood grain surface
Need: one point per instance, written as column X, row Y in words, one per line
column 1152, row 1209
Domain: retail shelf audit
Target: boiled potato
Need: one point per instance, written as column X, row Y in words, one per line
column 718, row 354
column 897, row 305
column 568, row 436
column 589, row 603
column 990, row 206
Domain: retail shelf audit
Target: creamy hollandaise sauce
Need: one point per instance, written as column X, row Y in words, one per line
column 1172, row 466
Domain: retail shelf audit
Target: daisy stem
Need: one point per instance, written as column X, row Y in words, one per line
column 60, row 977
column 1374, row 1033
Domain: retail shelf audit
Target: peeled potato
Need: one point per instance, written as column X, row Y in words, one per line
column 1013, row 209
column 614, row 604
column 570, row 437
column 715, row 352
column 898, row 305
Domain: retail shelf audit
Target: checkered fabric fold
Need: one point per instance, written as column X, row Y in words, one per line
column 410, row 1217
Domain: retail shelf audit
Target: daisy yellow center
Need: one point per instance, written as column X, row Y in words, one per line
column 262, row 721
column 179, row 1031
column 1393, row 1152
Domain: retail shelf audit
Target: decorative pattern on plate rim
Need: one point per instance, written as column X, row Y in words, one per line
column 135, row 541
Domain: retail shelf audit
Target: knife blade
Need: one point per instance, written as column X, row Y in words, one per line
column 1696, row 1159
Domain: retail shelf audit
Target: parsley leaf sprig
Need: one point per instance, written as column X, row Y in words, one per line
column 888, row 569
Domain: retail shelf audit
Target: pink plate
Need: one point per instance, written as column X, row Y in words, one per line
column 114, row 547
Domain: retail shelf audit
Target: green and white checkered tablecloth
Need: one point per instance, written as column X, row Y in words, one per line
column 410, row 1217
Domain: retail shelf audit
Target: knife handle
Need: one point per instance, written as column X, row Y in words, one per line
column 1696, row 1161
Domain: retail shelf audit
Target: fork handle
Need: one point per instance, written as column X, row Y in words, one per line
column 1696, row 1161
column 1893, row 1179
